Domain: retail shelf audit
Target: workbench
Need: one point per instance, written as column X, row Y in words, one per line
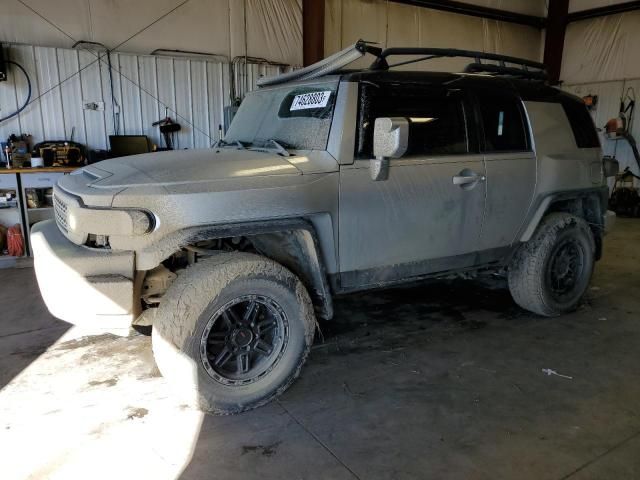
column 20, row 180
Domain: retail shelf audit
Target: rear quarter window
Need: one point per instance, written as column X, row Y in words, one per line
column 584, row 131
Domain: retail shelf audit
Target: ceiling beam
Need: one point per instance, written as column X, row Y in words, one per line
column 554, row 38
column 312, row 31
column 478, row 11
column 604, row 11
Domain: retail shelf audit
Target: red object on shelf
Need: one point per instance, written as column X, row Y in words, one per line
column 15, row 241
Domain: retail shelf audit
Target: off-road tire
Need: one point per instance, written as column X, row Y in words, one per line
column 187, row 307
column 528, row 274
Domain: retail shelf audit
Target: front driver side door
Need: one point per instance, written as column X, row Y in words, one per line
column 419, row 220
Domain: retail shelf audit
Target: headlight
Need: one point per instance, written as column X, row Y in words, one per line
column 110, row 221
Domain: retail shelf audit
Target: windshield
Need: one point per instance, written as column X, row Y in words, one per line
column 297, row 117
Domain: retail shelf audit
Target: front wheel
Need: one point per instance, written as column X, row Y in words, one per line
column 233, row 332
column 551, row 272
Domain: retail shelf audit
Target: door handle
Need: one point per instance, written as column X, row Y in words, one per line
column 467, row 177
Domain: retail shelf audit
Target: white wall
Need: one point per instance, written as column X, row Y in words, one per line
column 601, row 57
column 273, row 27
column 194, row 91
column 394, row 24
column 608, row 106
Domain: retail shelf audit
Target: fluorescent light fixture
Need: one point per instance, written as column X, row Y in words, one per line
column 421, row 119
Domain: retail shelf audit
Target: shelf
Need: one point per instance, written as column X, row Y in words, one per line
column 38, row 209
column 39, row 170
column 35, row 215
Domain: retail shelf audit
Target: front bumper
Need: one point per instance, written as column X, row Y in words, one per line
column 83, row 286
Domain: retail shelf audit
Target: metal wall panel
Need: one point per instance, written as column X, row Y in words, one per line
column 193, row 92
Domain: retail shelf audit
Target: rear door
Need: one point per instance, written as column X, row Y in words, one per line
column 418, row 220
column 510, row 166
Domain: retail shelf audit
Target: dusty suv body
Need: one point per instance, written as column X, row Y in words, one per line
column 485, row 162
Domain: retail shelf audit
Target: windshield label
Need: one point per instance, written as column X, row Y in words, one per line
column 310, row 100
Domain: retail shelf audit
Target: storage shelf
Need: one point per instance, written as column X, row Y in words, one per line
column 38, row 209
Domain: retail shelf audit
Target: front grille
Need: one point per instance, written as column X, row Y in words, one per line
column 61, row 212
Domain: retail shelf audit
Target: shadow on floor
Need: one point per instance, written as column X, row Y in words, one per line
column 447, row 380
column 373, row 360
column 26, row 327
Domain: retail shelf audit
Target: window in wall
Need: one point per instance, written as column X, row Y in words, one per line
column 503, row 123
column 437, row 121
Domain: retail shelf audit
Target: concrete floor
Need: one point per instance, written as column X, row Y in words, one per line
column 437, row 381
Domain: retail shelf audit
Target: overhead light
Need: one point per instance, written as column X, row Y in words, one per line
column 421, row 119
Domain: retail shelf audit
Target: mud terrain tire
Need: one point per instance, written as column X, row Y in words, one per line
column 212, row 294
column 551, row 272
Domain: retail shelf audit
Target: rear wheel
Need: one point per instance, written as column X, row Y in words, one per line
column 551, row 272
column 233, row 332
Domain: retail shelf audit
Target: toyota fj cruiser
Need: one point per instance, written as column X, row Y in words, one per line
column 329, row 181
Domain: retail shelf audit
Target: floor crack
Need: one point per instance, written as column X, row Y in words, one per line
column 317, row 439
column 599, row 457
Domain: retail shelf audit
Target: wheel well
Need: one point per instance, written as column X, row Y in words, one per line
column 298, row 251
column 587, row 207
column 293, row 245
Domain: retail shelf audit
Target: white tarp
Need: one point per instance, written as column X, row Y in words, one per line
column 273, row 27
column 602, row 49
column 399, row 25
column 580, row 5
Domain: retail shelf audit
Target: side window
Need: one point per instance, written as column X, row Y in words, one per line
column 503, row 123
column 581, row 123
column 437, row 119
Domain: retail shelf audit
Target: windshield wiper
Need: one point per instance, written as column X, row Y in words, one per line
column 235, row 143
column 270, row 145
column 278, row 147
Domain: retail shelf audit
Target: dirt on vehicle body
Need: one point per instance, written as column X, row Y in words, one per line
column 328, row 182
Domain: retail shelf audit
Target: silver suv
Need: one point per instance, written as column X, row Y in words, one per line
column 329, row 181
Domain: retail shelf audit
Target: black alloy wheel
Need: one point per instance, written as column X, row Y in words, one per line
column 244, row 340
column 565, row 268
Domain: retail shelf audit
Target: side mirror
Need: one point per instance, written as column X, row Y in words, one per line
column 610, row 166
column 390, row 140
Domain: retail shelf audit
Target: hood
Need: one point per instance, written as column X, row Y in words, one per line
column 179, row 167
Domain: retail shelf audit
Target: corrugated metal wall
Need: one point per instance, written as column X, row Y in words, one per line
column 609, row 94
column 193, row 92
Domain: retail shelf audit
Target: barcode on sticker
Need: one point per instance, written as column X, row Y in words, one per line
column 310, row 100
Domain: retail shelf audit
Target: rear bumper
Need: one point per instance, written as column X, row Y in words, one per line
column 83, row 286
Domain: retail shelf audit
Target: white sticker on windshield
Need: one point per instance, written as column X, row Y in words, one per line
column 310, row 100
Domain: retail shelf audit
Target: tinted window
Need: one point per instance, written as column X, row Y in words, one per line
column 437, row 119
column 503, row 124
column 581, row 124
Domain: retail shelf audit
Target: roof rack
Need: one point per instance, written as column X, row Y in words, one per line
column 522, row 68
column 326, row 66
column 518, row 67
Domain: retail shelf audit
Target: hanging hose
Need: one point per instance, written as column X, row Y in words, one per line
column 15, row 242
column 26, row 102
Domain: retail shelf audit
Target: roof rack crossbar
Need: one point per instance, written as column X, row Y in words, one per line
column 522, row 67
column 500, row 70
column 381, row 62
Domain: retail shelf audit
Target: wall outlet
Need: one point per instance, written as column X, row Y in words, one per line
column 88, row 105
